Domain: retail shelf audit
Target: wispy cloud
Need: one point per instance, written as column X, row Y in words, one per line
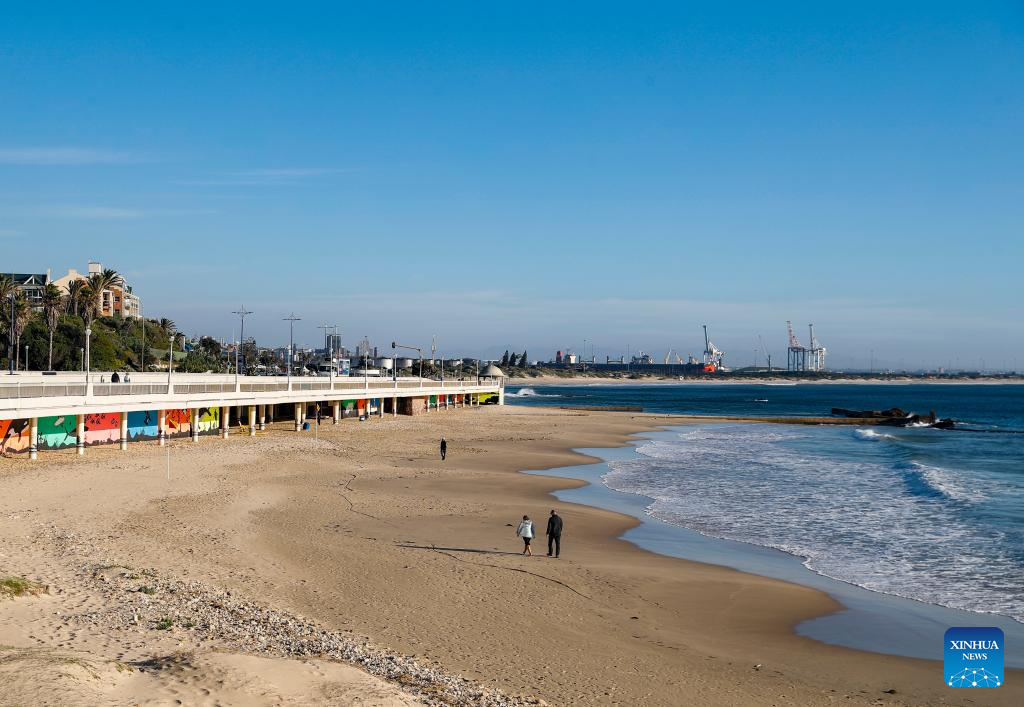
column 285, row 172
column 272, row 176
column 91, row 212
column 47, row 156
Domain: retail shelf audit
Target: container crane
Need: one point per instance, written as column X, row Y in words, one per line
column 713, row 356
column 796, row 354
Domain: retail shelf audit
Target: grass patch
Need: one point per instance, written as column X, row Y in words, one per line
column 11, row 587
column 165, row 624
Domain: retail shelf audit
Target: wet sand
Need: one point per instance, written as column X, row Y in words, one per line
column 365, row 532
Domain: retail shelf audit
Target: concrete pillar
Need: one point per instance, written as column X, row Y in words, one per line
column 252, row 420
column 501, row 395
column 336, row 405
column 380, row 408
column 225, row 420
column 124, row 431
column 161, row 427
column 394, row 406
column 300, row 415
column 80, row 431
column 270, row 413
column 263, row 417
column 194, row 416
column 33, row 438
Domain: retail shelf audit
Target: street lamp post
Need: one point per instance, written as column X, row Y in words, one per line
column 170, row 361
column 291, row 319
column 10, row 343
column 88, row 362
column 242, row 311
column 26, row 358
column 418, row 350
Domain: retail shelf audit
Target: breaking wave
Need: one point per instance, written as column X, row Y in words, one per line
column 864, row 515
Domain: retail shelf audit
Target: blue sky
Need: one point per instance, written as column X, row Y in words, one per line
column 534, row 175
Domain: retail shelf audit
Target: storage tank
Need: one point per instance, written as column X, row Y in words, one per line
column 384, row 363
column 405, row 363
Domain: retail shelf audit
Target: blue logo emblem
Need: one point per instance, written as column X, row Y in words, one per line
column 974, row 657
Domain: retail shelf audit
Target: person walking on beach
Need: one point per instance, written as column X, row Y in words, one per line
column 525, row 531
column 444, row 449
column 554, row 533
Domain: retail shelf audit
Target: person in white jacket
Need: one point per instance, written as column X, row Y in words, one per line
column 525, row 531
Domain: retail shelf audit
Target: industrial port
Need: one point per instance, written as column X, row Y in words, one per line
column 799, row 359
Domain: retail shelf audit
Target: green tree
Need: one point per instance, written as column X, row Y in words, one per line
column 512, row 360
column 53, row 304
column 504, row 359
column 523, row 361
column 7, row 290
column 77, row 295
column 95, row 286
column 249, row 354
column 210, row 347
column 22, row 315
column 198, row 361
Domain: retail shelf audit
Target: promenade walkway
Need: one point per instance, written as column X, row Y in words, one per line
column 42, row 412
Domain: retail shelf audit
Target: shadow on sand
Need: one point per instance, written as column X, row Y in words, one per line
column 438, row 548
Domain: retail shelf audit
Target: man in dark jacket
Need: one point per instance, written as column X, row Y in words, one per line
column 554, row 533
column 444, row 449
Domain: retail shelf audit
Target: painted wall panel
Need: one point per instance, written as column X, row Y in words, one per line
column 209, row 420
column 142, row 425
column 14, row 436
column 348, row 408
column 178, row 423
column 58, row 432
column 374, row 406
column 102, row 428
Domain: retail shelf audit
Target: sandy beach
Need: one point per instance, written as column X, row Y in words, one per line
column 358, row 568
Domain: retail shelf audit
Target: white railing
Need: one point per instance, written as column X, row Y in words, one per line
column 30, row 390
column 39, row 390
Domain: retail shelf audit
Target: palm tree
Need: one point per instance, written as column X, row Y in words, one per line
column 53, row 303
column 76, row 290
column 22, row 314
column 167, row 325
column 6, row 290
column 95, row 286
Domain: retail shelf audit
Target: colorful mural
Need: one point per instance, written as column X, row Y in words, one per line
column 58, row 432
column 348, row 408
column 14, row 436
column 142, row 425
column 178, row 423
column 433, row 402
column 374, row 406
column 209, row 420
column 102, row 428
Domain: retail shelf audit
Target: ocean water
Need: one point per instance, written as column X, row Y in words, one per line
column 931, row 515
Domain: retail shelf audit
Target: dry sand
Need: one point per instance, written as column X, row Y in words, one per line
column 365, row 533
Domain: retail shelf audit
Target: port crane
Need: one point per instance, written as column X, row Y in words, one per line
column 816, row 353
column 804, row 358
column 796, row 354
column 713, row 356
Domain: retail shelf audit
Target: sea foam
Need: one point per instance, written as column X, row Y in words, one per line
column 873, row 519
